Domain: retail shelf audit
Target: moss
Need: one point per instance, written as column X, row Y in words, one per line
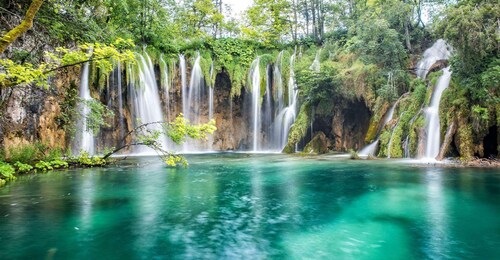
column 379, row 109
column 385, row 136
column 465, row 139
column 414, row 130
column 298, row 129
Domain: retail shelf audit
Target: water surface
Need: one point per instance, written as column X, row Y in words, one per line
column 257, row 206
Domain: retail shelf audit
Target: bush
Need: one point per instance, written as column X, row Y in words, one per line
column 6, row 171
column 22, row 167
column 58, row 164
column 26, row 154
column 43, row 166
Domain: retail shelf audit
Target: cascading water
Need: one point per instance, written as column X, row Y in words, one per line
column 439, row 51
column 369, row 150
column 165, row 85
column 84, row 139
column 286, row 116
column 192, row 110
column 255, row 114
column 278, row 81
column 120, row 99
column 146, row 100
column 182, row 70
column 432, row 116
column 315, row 66
column 193, row 106
column 211, row 95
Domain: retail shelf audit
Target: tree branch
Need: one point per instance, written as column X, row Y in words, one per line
column 22, row 28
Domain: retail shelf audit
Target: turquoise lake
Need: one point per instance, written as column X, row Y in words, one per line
column 253, row 206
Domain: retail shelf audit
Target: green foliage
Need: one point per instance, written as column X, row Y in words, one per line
column 58, row 164
column 102, row 55
column 85, row 160
column 22, row 167
column 97, row 116
column 6, row 171
column 24, row 153
column 175, row 160
column 471, row 27
column 43, row 166
column 180, row 129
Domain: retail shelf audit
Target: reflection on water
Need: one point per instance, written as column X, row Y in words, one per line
column 253, row 206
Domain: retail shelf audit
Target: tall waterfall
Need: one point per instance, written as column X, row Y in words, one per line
column 146, row 100
column 278, row 81
column 211, row 88
column 192, row 108
column 439, row 51
column 286, row 117
column 84, row 138
column 194, row 99
column 182, row 70
column 255, row 113
column 165, row 85
column 120, row 98
column 432, row 116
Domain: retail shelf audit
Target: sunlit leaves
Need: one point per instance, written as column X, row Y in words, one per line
column 103, row 55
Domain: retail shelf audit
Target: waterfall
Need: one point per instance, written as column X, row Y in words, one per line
column 440, row 50
column 192, row 110
column 406, row 147
column 120, row 98
column 278, row 81
column 369, row 150
column 184, row 90
column 211, row 94
column 146, row 99
column 84, row 138
column 432, row 116
column 165, row 85
column 315, row 66
column 255, row 84
column 286, row 116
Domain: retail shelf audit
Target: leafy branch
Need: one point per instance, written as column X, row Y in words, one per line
column 150, row 134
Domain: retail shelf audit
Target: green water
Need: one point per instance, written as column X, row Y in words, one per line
column 238, row 206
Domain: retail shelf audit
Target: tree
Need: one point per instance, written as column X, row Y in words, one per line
column 267, row 20
column 22, row 28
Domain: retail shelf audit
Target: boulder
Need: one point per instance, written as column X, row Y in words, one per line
column 318, row 144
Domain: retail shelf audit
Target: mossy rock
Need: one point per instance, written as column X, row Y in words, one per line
column 318, row 145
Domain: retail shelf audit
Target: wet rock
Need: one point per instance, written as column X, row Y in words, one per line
column 318, row 145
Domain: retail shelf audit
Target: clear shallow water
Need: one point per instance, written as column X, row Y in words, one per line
column 253, row 206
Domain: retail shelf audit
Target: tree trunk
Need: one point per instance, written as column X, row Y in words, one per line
column 452, row 129
column 407, row 36
column 313, row 8
column 22, row 28
column 295, row 23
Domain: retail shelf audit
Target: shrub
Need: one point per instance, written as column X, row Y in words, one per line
column 6, row 171
column 22, row 167
column 43, row 166
column 26, row 153
column 58, row 164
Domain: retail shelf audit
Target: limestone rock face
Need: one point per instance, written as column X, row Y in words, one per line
column 31, row 113
column 318, row 145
